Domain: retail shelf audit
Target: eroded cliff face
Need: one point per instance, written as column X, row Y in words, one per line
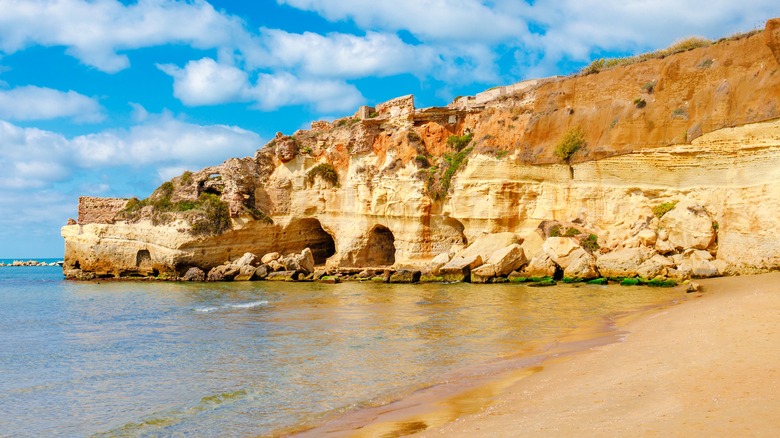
column 397, row 186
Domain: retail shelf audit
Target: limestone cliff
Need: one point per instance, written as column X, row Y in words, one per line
column 695, row 134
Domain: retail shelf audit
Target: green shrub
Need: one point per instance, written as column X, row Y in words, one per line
column 186, row 177
column 572, row 141
column 679, row 46
column 649, row 87
column 571, row 232
column 680, row 113
column 459, row 142
column 590, row 243
column 660, row 210
column 501, row 154
column 640, row 103
column 439, row 179
column 133, row 205
column 598, row 281
column 422, row 161
column 325, row 171
column 214, row 216
column 259, row 215
column 555, row 231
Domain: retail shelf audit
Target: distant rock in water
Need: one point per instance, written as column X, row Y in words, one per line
column 663, row 169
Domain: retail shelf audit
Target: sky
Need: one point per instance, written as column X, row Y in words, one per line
column 111, row 98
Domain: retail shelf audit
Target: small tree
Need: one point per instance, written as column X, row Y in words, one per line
column 572, row 141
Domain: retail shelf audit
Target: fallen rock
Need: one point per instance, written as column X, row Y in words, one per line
column 540, row 266
column 484, row 273
column 284, row 276
column 623, row 263
column 305, row 261
column 246, row 273
column 261, row 272
column 650, row 269
column 689, row 226
column 507, row 259
column 405, row 276
column 582, row 267
column 438, row 262
column 459, row 268
column 194, row 274
column 532, row 244
column 245, row 260
column 692, row 287
column 647, row 237
column 222, row 273
column 268, row 258
column 486, row 244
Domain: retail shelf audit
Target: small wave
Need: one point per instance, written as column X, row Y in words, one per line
column 250, row 305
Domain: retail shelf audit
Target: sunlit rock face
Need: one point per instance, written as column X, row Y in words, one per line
column 397, row 186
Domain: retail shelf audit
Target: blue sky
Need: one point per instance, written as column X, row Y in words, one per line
column 110, row 98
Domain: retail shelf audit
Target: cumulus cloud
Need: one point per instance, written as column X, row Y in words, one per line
column 34, row 158
column 95, row 31
column 207, row 82
column 451, row 20
column 36, row 103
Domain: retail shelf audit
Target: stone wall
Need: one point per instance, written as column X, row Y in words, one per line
column 99, row 210
column 400, row 106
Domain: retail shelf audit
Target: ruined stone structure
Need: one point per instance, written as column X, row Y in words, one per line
column 409, row 185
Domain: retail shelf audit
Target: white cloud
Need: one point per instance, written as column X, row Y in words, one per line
column 448, row 20
column 36, row 103
column 207, row 82
column 344, row 55
column 34, row 158
column 94, row 31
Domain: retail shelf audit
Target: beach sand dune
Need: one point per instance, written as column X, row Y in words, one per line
column 707, row 367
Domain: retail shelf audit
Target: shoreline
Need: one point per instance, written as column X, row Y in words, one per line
column 707, row 365
column 469, row 390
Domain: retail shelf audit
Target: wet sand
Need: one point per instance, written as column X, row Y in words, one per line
column 707, row 367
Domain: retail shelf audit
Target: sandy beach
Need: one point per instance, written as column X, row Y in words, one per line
column 707, row 367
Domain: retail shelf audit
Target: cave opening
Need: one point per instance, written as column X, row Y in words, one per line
column 143, row 257
column 308, row 233
column 380, row 247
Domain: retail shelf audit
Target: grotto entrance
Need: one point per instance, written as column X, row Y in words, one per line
column 379, row 249
column 307, row 233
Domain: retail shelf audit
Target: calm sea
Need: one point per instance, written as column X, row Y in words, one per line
column 237, row 359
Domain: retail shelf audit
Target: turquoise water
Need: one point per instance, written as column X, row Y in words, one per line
column 237, row 359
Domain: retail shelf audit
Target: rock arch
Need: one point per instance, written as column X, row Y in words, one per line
column 307, row 233
column 379, row 249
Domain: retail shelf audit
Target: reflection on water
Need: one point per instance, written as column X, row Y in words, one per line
column 235, row 359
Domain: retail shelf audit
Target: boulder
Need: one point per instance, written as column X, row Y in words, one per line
column 405, row 276
column 245, row 260
column 689, row 226
column 532, row 244
column 647, row 237
column 305, row 260
column 194, row 274
column 623, row 263
column 582, row 266
column 276, row 266
column 484, row 273
column 291, row 263
column 437, row 263
column 284, row 276
column 540, row 266
column 486, row 244
column 650, row 269
column 701, row 264
column 262, row 272
column 459, row 268
column 507, row 259
column 268, row 258
column 246, row 273
column 218, row 273
column 286, row 148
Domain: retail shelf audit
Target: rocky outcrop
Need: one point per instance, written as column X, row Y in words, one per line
column 397, row 187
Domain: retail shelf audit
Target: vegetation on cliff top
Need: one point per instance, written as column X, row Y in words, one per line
column 324, row 171
column 678, row 47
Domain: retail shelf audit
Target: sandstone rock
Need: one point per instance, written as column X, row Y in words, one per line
column 261, row 272
column 559, row 249
column 689, row 226
column 582, row 266
column 222, row 273
column 268, row 258
column 438, row 262
column 286, row 149
column 194, row 274
column 276, row 266
column 692, row 287
column 246, row 273
column 650, row 269
column 459, row 268
column 772, row 37
column 681, row 272
column 540, row 266
column 623, row 263
column 486, row 244
column 483, row 274
column 723, row 267
column 647, row 237
column 405, row 276
column 305, row 260
column 532, row 244
column 284, row 276
column 245, row 260
column 319, row 273
column 507, row 259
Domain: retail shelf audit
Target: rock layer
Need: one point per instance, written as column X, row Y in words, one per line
column 380, row 189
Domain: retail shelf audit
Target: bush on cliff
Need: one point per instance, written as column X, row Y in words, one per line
column 214, row 217
column 459, row 142
column 324, row 171
column 572, row 141
column 661, row 209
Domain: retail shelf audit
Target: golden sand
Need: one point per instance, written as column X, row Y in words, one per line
column 707, row 367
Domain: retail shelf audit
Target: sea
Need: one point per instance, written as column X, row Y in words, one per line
column 134, row 358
